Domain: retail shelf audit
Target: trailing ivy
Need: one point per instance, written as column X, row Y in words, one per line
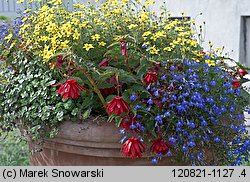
column 28, row 99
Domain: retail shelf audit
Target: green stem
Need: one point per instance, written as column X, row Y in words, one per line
column 96, row 89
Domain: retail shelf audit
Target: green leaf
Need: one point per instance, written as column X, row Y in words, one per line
column 114, row 44
column 75, row 111
column 113, row 53
column 86, row 114
column 111, row 117
column 138, row 87
column 118, row 121
column 68, row 104
column 51, row 83
column 109, row 98
column 59, row 115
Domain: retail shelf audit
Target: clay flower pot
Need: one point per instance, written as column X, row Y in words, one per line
column 89, row 143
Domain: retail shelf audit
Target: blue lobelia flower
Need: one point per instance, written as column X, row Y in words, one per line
column 154, row 161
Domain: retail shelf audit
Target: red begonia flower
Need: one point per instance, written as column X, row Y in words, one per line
column 236, row 83
column 150, row 77
column 159, row 146
column 70, row 89
column 117, row 106
column 242, row 72
column 133, row 147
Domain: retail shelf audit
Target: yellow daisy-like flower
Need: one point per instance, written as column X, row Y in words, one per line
column 167, row 49
column 87, row 47
column 76, row 35
column 153, row 50
column 8, row 37
column 75, row 21
column 20, row 1
column 95, row 37
column 26, row 11
column 158, row 35
column 145, row 34
column 78, row 5
column 102, row 43
column 147, row 3
column 210, row 62
column 132, row 26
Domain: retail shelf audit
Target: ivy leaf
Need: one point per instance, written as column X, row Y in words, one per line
column 86, row 114
column 50, row 83
column 59, row 115
column 75, row 111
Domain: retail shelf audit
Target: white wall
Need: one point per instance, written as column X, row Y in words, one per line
column 223, row 19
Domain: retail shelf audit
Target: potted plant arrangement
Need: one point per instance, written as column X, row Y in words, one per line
column 119, row 84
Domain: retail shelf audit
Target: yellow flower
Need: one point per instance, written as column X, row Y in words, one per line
column 102, row 43
column 12, row 44
column 47, row 55
column 218, row 49
column 193, row 43
column 55, row 2
column 84, row 24
column 132, row 26
column 20, row 1
column 64, row 45
column 117, row 37
column 75, row 21
column 26, row 11
column 210, row 62
column 144, row 16
column 78, row 5
column 210, row 55
column 167, row 49
column 158, row 35
column 153, row 50
column 8, row 37
column 76, row 35
column 114, row 2
column 95, row 37
column 147, row 3
column 145, row 34
column 126, row 20
column 44, row 38
column 87, row 47
column 180, row 29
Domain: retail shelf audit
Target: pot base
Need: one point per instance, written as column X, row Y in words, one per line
column 89, row 144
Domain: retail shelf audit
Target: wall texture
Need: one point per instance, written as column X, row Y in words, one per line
column 223, row 20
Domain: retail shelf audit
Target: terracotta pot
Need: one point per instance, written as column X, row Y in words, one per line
column 90, row 143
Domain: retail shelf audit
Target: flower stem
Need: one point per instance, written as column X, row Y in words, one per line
column 96, row 89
